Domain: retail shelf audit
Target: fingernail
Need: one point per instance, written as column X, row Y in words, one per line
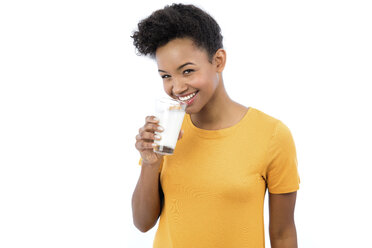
column 160, row 128
column 156, row 119
column 157, row 137
column 154, row 145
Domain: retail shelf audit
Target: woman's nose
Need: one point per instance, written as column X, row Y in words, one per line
column 178, row 86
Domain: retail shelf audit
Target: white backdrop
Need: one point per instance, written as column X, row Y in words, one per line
column 73, row 95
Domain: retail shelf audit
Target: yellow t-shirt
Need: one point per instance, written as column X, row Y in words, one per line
column 215, row 182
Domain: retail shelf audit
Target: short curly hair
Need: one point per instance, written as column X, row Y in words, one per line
column 177, row 21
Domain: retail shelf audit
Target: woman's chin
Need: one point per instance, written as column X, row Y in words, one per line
column 191, row 111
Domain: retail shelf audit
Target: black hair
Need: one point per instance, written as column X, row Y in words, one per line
column 177, row 21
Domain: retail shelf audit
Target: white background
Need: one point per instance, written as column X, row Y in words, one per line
column 73, row 95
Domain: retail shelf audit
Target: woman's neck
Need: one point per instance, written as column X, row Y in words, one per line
column 220, row 112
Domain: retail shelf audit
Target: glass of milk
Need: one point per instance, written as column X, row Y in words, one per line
column 170, row 112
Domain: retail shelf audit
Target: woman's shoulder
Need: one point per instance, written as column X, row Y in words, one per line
column 263, row 117
column 262, row 121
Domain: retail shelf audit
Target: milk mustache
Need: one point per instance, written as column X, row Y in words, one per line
column 170, row 114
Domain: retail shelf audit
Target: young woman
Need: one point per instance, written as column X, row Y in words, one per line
column 210, row 192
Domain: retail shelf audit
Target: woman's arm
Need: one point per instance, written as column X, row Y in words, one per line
column 282, row 226
column 147, row 198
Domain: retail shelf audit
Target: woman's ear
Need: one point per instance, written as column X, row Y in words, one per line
column 219, row 59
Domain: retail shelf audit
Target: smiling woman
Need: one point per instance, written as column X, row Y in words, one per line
column 194, row 74
column 187, row 73
column 210, row 192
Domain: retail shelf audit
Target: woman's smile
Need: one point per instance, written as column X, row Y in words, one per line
column 188, row 99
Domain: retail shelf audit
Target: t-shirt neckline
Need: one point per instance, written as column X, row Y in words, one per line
column 212, row 134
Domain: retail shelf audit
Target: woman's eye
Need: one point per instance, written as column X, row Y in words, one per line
column 165, row 76
column 188, row 71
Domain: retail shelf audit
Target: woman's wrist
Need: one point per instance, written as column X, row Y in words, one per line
column 152, row 165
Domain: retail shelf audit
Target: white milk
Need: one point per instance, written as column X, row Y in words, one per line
column 171, row 121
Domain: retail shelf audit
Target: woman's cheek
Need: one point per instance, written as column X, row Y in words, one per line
column 167, row 88
column 197, row 82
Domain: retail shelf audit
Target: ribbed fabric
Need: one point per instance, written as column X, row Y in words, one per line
column 214, row 184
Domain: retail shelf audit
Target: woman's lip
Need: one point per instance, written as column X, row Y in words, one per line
column 186, row 94
column 178, row 96
column 188, row 102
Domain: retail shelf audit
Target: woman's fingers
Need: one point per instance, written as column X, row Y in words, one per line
column 142, row 145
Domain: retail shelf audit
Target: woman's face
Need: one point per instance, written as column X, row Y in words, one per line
column 185, row 69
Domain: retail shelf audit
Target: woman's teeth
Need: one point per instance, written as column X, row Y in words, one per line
column 187, row 97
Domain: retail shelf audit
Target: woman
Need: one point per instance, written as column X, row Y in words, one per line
column 210, row 192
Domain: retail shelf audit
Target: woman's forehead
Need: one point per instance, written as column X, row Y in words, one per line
column 179, row 51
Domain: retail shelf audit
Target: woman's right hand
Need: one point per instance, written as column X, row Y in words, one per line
column 145, row 141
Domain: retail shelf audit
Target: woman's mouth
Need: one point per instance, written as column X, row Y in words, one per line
column 189, row 99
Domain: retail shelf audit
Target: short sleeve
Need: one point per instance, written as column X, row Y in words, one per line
column 282, row 173
column 161, row 165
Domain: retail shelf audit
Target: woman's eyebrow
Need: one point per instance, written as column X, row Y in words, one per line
column 180, row 67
